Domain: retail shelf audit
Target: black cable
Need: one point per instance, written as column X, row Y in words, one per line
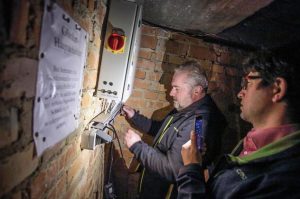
column 115, row 133
column 93, row 118
column 111, row 160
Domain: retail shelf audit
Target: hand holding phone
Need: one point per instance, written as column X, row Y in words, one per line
column 199, row 132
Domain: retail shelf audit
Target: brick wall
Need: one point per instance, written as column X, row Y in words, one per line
column 160, row 52
column 65, row 170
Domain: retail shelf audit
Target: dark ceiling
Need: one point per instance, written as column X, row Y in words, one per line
column 252, row 24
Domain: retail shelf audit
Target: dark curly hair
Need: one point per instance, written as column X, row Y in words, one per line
column 285, row 63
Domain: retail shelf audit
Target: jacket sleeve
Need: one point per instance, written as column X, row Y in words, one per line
column 165, row 164
column 145, row 124
column 191, row 183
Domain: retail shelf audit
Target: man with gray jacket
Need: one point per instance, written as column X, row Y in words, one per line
column 162, row 160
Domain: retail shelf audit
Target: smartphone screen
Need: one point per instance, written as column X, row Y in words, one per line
column 199, row 132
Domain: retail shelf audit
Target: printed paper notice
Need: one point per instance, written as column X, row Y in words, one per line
column 61, row 61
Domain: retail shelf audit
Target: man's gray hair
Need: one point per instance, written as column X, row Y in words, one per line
column 196, row 74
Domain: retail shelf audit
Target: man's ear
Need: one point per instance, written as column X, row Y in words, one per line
column 279, row 89
column 198, row 90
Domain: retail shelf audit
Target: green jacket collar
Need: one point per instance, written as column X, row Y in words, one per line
column 270, row 149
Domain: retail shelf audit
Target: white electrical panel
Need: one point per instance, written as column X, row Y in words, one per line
column 117, row 68
column 118, row 62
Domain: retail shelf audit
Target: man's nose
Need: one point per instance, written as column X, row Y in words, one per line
column 171, row 92
column 241, row 94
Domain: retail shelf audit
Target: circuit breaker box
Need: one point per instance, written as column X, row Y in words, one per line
column 120, row 51
column 117, row 67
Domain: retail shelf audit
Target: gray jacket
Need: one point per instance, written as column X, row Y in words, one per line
column 163, row 160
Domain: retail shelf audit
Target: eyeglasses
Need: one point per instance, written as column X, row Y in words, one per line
column 245, row 81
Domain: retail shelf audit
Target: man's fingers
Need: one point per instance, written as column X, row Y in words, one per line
column 187, row 144
column 193, row 138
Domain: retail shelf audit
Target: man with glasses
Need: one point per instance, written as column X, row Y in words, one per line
column 266, row 163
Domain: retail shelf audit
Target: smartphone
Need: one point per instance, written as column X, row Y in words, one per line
column 199, row 132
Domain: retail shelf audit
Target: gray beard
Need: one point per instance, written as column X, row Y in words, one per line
column 177, row 106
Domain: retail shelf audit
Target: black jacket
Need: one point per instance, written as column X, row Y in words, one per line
column 270, row 172
column 163, row 160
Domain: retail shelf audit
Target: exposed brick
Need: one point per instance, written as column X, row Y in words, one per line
column 9, row 126
column 162, row 97
column 159, row 67
column 176, row 48
column 145, row 53
column 74, row 170
column 21, row 172
column 52, row 193
column 93, row 59
column 218, row 77
column 137, row 94
column 206, row 64
column 212, row 86
column 148, row 30
column 13, row 170
column 18, row 32
column 17, row 195
column 148, row 42
column 161, row 45
column 146, row 64
column 166, row 79
column 162, row 33
column 231, row 71
column 199, row 52
column 136, row 103
column 51, row 152
column 102, row 11
column 37, row 25
column 26, row 120
column 39, row 185
column 180, row 37
column 71, row 153
column 148, row 113
column 67, row 6
column 218, row 68
column 19, row 78
column 154, row 76
column 90, row 79
column 97, row 42
column 62, row 161
column 86, row 24
column 224, row 58
column 151, row 95
column 198, row 42
column 86, row 100
column 176, row 60
column 168, row 67
column 61, row 185
column 140, row 74
column 158, row 56
column 141, row 84
column 52, row 170
column 91, row 5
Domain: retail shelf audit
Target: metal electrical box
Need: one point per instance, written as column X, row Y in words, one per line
column 117, row 68
column 120, row 51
